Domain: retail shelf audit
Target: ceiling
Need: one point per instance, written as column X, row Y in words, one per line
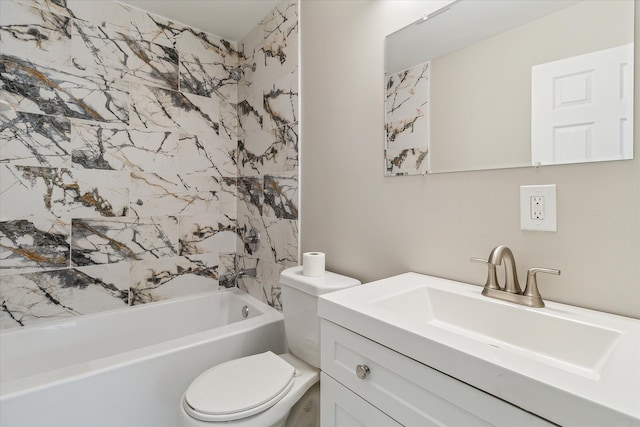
column 229, row 19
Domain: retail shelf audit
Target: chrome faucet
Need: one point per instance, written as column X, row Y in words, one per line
column 511, row 291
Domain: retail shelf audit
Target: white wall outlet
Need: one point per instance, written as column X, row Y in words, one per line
column 538, row 207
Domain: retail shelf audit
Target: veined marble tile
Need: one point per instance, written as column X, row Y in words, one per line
column 153, row 28
column 111, row 240
column 54, row 6
column 56, row 91
column 102, row 18
column 123, row 56
column 227, row 270
column 120, row 148
column 199, row 234
column 205, row 45
column 155, row 194
column 281, row 196
column 209, row 76
column 280, row 46
column 157, row 108
column 61, row 193
column 269, row 152
column 208, row 153
column 26, row 29
column 251, row 44
column 407, row 93
column 250, row 195
column 279, row 239
column 281, row 101
column 34, row 245
column 408, row 133
column 266, row 285
column 34, row 140
column 406, row 161
column 167, row 278
column 38, row 297
column 252, row 116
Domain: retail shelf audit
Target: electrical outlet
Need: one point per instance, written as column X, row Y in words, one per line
column 538, row 207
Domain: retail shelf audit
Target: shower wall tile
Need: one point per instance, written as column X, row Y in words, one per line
column 281, row 196
column 34, row 245
column 200, row 234
column 26, row 28
column 34, row 88
column 96, row 146
column 250, row 195
column 157, row 108
column 279, row 239
column 54, row 6
column 207, row 152
column 209, row 76
column 62, row 193
column 155, row 194
column 100, row 18
column 112, row 240
column 269, row 152
column 35, row 140
column 227, row 270
column 281, row 102
column 53, row 295
column 153, row 28
column 157, row 280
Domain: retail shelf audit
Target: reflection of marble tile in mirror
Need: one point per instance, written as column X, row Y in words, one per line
column 407, row 121
column 480, row 89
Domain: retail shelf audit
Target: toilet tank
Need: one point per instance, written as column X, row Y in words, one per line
column 300, row 309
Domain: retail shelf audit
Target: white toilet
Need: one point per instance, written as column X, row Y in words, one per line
column 267, row 389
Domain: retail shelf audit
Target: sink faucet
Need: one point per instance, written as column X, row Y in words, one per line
column 511, row 291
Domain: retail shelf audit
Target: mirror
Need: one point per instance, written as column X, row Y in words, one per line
column 500, row 84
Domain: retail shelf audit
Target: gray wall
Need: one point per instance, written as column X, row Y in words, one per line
column 373, row 227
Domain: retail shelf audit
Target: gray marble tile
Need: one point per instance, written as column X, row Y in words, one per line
column 209, row 76
column 227, row 270
column 111, row 240
column 207, row 153
column 250, row 195
column 157, row 108
column 281, row 196
column 119, row 148
column 62, row 92
column 61, row 193
column 34, row 245
column 153, row 28
column 279, row 239
column 101, row 18
column 52, row 295
column 34, row 140
column 157, row 280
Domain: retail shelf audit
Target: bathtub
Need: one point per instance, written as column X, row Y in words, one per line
column 127, row 367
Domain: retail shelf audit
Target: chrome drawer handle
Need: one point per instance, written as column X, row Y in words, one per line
column 362, row 371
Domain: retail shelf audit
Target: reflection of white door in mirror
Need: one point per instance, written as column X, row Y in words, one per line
column 582, row 108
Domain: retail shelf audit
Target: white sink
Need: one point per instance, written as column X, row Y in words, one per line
column 570, row 365
column 537, row 333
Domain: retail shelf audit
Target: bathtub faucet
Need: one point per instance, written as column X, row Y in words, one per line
column 244, row 272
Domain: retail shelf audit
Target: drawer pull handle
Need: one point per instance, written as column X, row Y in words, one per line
column 362, row 371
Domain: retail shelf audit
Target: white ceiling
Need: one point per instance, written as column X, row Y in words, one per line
column 229, row 19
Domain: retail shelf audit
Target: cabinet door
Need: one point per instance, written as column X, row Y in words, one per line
column 340, row 407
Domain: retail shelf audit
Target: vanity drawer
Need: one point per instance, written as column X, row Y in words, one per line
column 341, row 407
column 408, row 391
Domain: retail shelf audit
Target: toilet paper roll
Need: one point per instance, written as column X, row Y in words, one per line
column 313, row 264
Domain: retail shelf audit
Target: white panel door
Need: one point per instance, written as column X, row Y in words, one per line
column 582, row 108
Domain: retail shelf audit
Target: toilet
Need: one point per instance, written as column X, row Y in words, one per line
column 268, row 389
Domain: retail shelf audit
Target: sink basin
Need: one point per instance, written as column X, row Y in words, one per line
column 543, row 335
column 570, row 365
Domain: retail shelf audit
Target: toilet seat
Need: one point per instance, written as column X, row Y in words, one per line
column 239, row 388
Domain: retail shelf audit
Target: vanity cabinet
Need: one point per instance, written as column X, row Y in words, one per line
column 365, row 383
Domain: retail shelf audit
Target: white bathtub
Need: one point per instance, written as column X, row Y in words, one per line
column 127, row 367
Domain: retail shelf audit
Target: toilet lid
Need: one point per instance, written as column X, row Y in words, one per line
column 239, row 388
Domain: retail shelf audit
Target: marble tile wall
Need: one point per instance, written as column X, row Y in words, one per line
column 268, row 139
column 135, row 160
column 407, row 122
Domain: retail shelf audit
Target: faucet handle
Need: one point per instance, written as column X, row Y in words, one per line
column 492, row 278
column 531, row 289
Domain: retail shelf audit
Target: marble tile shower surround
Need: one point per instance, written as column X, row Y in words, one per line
column 407, row 121
column 137, row 154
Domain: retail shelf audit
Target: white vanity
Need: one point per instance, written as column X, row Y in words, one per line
column 417, row 350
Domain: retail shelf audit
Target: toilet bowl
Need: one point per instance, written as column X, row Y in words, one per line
column 268, row 389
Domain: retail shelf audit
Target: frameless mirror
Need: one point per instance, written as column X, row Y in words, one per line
column 500, row 84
